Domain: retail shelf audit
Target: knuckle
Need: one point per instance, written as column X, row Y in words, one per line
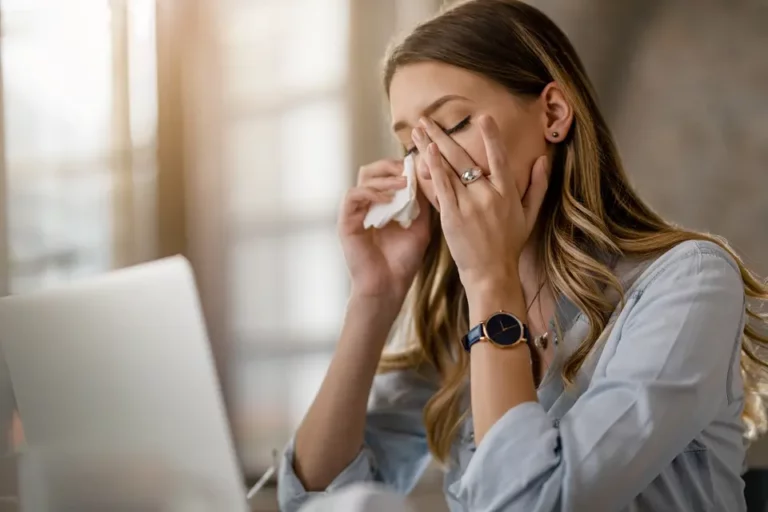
column 356, row 193
column 486, row 201
column 472, row 208
column 366, row 170
column 351, row 195
column 449, row 218
column 499, row 158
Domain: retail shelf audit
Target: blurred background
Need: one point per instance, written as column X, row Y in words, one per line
column 227, row 130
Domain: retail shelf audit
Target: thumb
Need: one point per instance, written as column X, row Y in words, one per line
column 536, row 192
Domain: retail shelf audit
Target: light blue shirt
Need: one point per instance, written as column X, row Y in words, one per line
column 651, row 424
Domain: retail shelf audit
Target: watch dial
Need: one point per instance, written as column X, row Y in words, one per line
column 504, row 329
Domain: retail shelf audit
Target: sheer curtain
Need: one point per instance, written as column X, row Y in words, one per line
column 302, row 109
column 79, row 100
column 287, row 160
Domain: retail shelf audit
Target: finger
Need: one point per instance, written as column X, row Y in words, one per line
column 537, row 190
column 379, row 169
column 458, row 159
column 421, row 140
column 500, row 176
column 385, row 183
column 442, row 177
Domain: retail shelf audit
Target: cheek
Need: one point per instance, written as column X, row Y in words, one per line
column 523, row 147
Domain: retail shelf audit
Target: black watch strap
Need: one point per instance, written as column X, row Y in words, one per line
column 476, row 333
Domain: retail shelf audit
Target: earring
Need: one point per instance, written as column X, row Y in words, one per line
column 555, row 134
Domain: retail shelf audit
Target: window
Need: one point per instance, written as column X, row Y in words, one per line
column 79, row 95
column 287, row 165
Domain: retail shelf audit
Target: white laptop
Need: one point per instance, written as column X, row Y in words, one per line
column 119, row 368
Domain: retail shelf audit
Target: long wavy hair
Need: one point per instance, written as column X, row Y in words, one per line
column 591, row 209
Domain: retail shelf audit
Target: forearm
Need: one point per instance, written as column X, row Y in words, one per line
column 331, row 434
column 500, row 378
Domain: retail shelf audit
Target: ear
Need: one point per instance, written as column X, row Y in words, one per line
column 558, row 114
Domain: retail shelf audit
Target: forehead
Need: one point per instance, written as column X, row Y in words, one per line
column 415, row 86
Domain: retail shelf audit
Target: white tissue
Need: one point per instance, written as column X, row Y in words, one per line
column 404, row 208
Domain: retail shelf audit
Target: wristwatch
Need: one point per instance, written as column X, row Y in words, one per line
column 501, row 329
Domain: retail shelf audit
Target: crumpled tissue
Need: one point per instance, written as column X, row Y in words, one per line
column 404, row 207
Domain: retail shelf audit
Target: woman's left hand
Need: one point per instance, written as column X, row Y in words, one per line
column 487, row 222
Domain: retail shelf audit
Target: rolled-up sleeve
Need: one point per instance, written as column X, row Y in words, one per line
column 664, row 383
column 395, row 449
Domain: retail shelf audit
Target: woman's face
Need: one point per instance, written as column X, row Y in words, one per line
column 455, row 98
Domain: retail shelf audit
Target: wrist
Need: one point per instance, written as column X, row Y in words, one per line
column 385, row 306
column 490, row 296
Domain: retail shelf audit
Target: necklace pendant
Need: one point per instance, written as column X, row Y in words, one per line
column 540, row 342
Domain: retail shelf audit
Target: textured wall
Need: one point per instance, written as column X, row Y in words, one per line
column 685, row 87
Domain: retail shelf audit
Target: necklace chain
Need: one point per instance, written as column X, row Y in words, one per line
column 539, row 342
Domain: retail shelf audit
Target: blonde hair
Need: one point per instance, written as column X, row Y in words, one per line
column 591, row 209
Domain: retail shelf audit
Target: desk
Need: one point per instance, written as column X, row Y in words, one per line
column 35, row 483
column 427, row 496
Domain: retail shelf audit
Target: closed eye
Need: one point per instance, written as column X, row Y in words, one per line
column 450, row 131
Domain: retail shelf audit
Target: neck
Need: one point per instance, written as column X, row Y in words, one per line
column 531, row 269
column 539, row 301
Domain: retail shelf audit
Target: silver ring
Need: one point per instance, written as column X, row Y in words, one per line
column 471, row 175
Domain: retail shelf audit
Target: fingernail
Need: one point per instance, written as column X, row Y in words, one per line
column 424, row 122
column 434, row 149
column 417, row 135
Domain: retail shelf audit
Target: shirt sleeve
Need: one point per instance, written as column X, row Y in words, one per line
column 395, row 449
column 665, row 382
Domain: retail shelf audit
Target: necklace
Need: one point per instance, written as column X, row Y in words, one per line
column 530, row 304
column 539, row 342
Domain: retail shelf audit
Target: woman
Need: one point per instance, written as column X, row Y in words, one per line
column 566, row 348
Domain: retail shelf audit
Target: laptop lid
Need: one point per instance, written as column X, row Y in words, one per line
column 121, row 364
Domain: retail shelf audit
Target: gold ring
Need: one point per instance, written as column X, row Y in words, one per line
column 471, row 175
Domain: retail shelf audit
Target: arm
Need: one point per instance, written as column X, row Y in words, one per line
column 664, row 384
column 339, row 441
column 331, row 434
column 500, row 378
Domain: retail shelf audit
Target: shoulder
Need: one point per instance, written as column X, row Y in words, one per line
column 691, row 263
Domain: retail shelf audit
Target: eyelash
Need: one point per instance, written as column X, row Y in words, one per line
column 450, row 131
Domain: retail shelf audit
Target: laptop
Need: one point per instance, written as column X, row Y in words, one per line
column 116, row 373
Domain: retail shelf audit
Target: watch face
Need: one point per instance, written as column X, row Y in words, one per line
column 504, row 329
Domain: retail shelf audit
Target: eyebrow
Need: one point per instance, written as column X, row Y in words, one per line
column 431, row 108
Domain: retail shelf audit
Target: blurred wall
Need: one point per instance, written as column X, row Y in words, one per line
column 684, row 86
column 685, row 89
column 4, row 277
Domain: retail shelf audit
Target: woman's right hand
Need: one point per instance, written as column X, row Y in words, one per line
column 382, row 262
